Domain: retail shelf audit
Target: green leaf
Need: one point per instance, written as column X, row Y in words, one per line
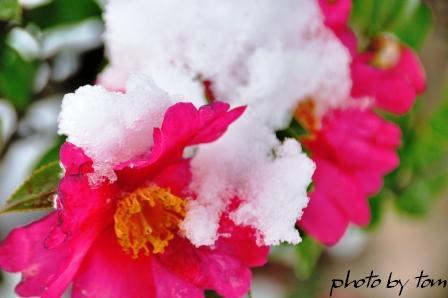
column 414, row 29
column 307, row 254
column 361, row 15
column 377, row 209
column 16, row 77
column 417, row 199
column 422, row 176
column 294, row 130
column 408, row 20
column 37, row 192
column 302, row 258
column 10, row 10
column 52, row 154
column 62, row 12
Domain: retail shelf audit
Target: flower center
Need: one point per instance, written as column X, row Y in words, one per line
column 387, row 51
column 305, row 114
column 148, row 216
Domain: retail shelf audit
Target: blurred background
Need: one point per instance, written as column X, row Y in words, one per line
column 51, row 47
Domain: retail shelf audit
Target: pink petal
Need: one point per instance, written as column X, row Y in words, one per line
column 370, row 182
column 108, row 272
column 348, row 38
column 343, row 191
column 45, row 272
column 170, row 285
column 241, row 244
column 336, row 12
column 393, row 94
column 17, row 250
column 394, row 89
column 322, row 220
column 357, row 141
column 176, row 177
column 214, row 120
column 411, row 66
column 390, row 92
column 207, row 268
column 184, row 126
column 74, row 160
column 80, row 205
column 376, row 158
column 182, row 259
column 226, row 275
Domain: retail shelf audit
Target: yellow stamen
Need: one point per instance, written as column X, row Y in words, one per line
column 305, row 114
column 148, row 216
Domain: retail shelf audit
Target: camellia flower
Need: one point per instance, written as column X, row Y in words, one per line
column 311, row 49
column 353, row 149
column 120, row 227
column 388, row 72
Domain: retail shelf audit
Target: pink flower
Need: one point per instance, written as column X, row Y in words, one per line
column 388, row 72
column 122, row 238
column 353, row 150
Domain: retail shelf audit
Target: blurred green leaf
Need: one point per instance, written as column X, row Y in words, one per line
column 423, row 174
column 295, row 130
column 413, row 30
column 62, row 12
column 307, row 288
column 37, row 192
column 10, row 10
column 408, row 20
column 417, row 198
column 302, row 258
column 361, row 15
column 51, row 154
column 16, row 77
column 308, row 253
column 377, row 204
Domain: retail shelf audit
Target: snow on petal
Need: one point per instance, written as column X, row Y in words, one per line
column 268, row 178
column 113, row 127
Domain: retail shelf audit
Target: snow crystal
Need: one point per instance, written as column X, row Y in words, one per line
column 113, row 127
column 269, row 54
column 249, row 163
